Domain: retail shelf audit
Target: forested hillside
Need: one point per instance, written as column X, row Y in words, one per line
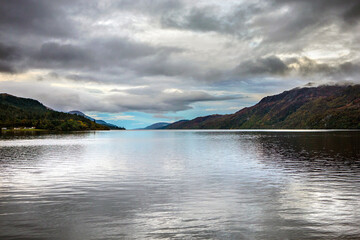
column 324, row 107
column 16, row 112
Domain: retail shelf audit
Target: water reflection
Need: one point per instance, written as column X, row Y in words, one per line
column 180, row 184
column 325, row 169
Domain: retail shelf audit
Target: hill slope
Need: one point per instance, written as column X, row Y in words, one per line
column 159, row 125
column 101, row 122
column 25, row 112
column 324, row 107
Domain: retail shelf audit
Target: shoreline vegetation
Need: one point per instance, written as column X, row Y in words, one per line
column 24, row 130
column 24, row 114
column 30, row 131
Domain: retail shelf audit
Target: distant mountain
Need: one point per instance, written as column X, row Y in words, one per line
column 324, row 107
column 159, row 125
column 111, row 126
column 25, row 112
column 81, row 114
column 101, row 122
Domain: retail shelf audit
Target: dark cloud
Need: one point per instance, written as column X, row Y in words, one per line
column 150, row 7
column 8, row 56
column 303, row 66
column 306, row 66
column 352, row 15
column 42, row 17
column 63, row 53
column 339, row 6
column 122, row 48
column 99, row 54
column 270, row 65
column 297, row 21
column 210, row 19
column 163, row 65
column 204, row 19
column 349, row 68
column 6, row 67
column 273, row 21
column 8, row 53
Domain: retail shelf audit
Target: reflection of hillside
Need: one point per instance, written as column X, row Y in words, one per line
column 42, row 134
column 311, row 151
column 299, row 185
column 299, row 151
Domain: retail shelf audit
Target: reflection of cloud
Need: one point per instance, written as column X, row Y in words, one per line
column 321, row 170
column 331, row 208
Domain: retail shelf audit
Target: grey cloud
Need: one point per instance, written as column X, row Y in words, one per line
column 154, row 101
column 122, row 48
column 349, row 68
column 63, row 53
column 82, row 78
column 8, row 57
column 197, row 19
column 339, row 5
column 303, row 66
column 306, row 66
column 84, row 41
column 150, row 7
column 8, row 52
column 7, row 67
column 163, row 65
column 264, row 19
column 353, row 14
column 210, row 19
column 347, row 10
column 270, row 65
column 125, row 56
column 96, row 54
column 35, row 17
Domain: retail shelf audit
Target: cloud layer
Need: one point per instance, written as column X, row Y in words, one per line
column 165, row 56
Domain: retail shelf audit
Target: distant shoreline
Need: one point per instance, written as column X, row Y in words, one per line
column 251, row 130
column 50, row 131
column 24, row 130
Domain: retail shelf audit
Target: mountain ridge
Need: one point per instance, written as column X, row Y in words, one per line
column 98, row 121
column 320, row 107
column 158, row 125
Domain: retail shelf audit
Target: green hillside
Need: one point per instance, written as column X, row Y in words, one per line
column 16, row 112
column 324, row 107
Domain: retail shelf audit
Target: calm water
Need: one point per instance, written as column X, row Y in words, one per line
column 180, row 185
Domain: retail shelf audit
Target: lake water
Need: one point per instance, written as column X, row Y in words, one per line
column 180, row 185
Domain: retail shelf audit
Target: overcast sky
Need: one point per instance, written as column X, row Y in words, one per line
column 136, row 62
